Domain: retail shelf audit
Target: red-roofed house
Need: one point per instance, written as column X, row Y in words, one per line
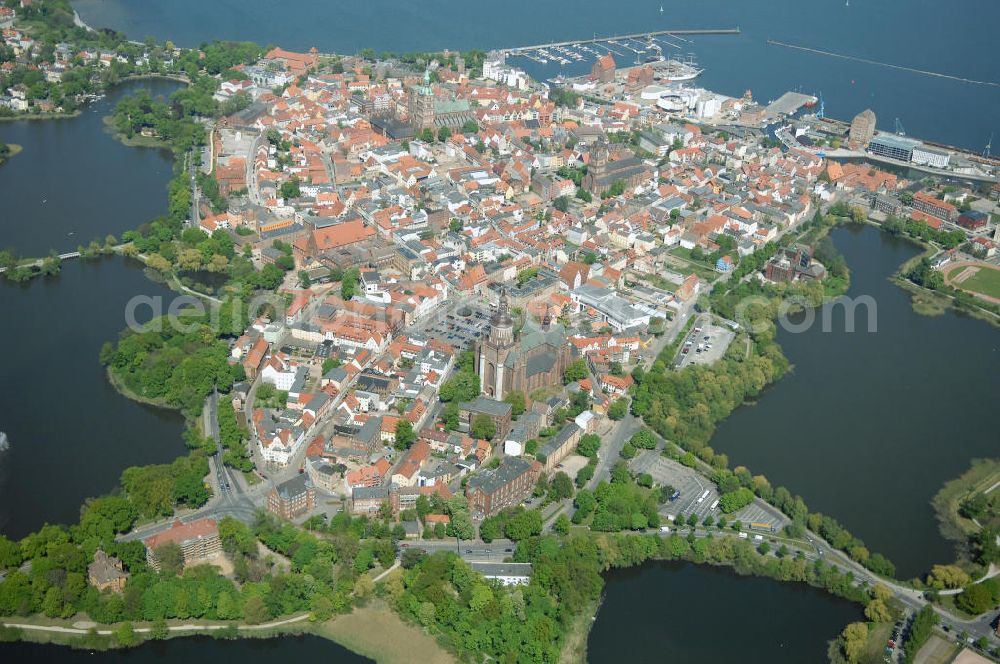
column 198, row 540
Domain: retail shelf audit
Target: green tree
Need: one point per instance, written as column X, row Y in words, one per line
column 254, row 610
column 852, row 641
column 170, row 557
column 577, row 370
column 516, row 401
column 125, row 635
column 404, row 434
column 976, row 599
column 561, row 524
column 560, row 487
column 483, row 427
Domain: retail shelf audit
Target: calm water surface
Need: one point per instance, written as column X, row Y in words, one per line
column 869, row 426
column 680, row 612
column 74, row 182
column 194, row 650
column 71, row 433
column 957, row 38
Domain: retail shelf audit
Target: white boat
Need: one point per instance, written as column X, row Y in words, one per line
column 4, row 441
column 675, row 71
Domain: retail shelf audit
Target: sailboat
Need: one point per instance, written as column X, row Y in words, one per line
column 661, row 9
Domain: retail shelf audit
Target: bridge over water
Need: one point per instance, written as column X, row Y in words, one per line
column 38, row 263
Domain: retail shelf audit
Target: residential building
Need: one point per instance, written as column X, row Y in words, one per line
column 492, row 490
column 498, row 411
column 935, row 207
column 552, row 453
column 292, row 498
column 198, row 540
column 368, row 500
column 106, row 573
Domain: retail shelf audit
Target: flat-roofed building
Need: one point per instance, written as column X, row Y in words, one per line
column 894, row 147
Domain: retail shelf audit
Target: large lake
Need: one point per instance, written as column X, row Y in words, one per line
column 957, row 38
column 71, row 433
column 868, row 426
column 194, row 650
column 681, row 612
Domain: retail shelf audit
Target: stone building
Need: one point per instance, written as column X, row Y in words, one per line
column 198, row 540
column 862, row 129
column 426, row 111
column 106, row 572
column 508, row 362
column 292, row 498
column 603, row 70
column 490, row 491
column 603, row 173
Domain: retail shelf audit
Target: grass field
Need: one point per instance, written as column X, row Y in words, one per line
column 982, row 474
column 575, row 648
column 985, row 281
column 375, row 631
column 935, row 651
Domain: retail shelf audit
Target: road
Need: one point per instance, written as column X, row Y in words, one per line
column 232, row 497
column 195, row 193
column 611, row 447
column 253, row 192
column 470, row 550
column 145, row 630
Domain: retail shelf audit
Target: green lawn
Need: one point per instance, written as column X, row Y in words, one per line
column 985, row 281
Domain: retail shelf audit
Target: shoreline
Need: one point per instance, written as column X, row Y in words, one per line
column 13, row 149
column 121, row 389
column 357, row 632
column 137, row 141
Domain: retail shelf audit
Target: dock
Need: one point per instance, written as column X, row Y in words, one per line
column 787, row 104
column 636, row 35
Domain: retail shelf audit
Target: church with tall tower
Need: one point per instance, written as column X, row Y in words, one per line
column 534, row 358
column 425, row 110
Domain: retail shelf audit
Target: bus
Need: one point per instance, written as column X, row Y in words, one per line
column 703, row 497
column 761, row 527
column 714, row 505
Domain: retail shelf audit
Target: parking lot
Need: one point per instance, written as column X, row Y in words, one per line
column 693, row 488
column 458, row 330
column 691, row 485
column 705, row 344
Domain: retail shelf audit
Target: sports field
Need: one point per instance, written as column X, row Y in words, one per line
column 978, row 278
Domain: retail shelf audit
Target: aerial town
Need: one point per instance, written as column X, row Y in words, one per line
column 475, row 273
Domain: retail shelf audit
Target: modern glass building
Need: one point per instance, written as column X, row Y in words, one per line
column 894, row 147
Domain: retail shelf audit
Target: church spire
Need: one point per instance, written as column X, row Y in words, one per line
column 502, row 324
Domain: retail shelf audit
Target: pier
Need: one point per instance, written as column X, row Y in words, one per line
column 636, row 35
column 855, row 58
